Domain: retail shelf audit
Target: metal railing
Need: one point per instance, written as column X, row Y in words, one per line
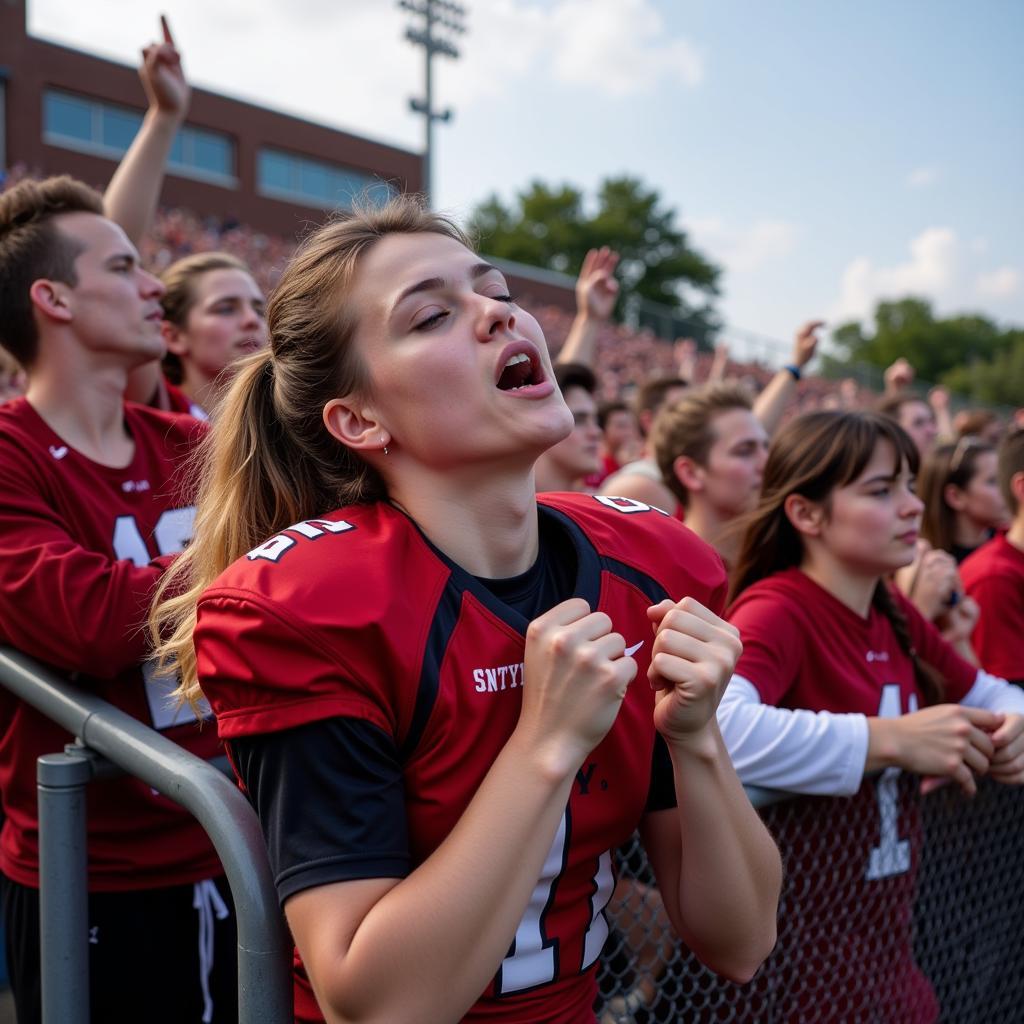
column 108, row 736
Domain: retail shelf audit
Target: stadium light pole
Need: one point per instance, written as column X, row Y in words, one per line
column 437, row 14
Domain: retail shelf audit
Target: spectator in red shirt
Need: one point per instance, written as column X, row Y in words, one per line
column 994, row 576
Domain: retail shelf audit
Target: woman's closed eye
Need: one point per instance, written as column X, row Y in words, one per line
column 431, row 321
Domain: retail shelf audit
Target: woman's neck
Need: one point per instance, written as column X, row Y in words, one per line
column 714, row 529
column 199, row 389
column 486, row 525
column 853, row 589
column 968, row 533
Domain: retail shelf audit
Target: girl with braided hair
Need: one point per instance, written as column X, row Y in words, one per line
column 844, row 689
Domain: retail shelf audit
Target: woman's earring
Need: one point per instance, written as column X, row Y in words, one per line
column 385, row 446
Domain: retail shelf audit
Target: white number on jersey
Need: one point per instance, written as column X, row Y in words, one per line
column 627, row 505
column 272, row 550
column 892, row 855
column 172, row 532
column 533, row 959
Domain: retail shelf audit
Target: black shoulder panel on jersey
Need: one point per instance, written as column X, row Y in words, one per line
column 647, row 584
column 446, row 615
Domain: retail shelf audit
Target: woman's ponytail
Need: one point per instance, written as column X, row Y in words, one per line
column 269, row 461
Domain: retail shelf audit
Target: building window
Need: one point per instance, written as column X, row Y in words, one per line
column 105, row 129
column 299, row 179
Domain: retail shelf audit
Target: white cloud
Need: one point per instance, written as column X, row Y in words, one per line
column 922, row 177
column 998, row 284
column 745, row 249
column 930, row 271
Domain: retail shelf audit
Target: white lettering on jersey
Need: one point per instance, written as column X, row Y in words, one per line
column 892, row 855
column 878, row 656
column 172, row 532
column 134, row 485
column 630, row 651
column 504, row 677
column 58, row 452
column 627, row 505
column 272, row 550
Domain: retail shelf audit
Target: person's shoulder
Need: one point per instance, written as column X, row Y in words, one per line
column 354, row 564
column 642, row 537
column 18, row 418
column 171, row 427
column 782, row 597
column 996, row 560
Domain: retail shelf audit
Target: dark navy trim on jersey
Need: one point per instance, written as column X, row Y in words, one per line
column 331, row 802
column 446, row 617
column 647, row 585
column 588, row 570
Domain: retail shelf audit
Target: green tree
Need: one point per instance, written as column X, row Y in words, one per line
column 549, row 226
column 908, row 328
column 999, row 380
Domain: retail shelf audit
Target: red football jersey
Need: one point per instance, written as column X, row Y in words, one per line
column 180, row 402
column 994, row 577
column 356, row 614
column 845, row 942
column 76, row 540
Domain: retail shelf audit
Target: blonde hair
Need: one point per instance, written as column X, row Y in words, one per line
column 268, row 461
column 686, row 427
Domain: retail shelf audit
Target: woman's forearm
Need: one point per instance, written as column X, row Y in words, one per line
column 731, row 872
column 430, row 946
column 133, row 193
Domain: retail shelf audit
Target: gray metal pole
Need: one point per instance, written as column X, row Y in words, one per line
column 64, row 887
column 264, row 948
column 429, row 117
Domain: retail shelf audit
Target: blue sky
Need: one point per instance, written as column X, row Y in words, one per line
column 825, row 154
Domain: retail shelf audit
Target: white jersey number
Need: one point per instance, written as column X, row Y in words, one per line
column 533, row 959
column 892, row 855
column 172, row 532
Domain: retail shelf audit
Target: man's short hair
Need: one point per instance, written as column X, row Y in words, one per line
column 686, row 428
column 1011, row 462
column 575, row 375
column 891, row 405
column 606, row 410
column 650, row 395
column 32, row 248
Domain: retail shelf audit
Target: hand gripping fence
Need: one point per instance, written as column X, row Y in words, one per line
column 107, row 734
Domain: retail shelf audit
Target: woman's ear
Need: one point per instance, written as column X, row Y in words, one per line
column 689, row 473
column 173, row 337
column 954, row 497
column 807, row 517
column 355, row 425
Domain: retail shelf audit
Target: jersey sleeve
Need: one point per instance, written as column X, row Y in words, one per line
column 78, row 609
column 996, row 638
column 330, row 801
column 772, row 645
column 959, row 675
column 263, row 670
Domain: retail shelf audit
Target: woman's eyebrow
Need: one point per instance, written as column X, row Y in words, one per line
column 430, row 283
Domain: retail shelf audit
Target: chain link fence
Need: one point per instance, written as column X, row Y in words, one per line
column 895, row 909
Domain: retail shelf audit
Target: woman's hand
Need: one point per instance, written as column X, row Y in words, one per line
column 692, row 661
column 162, row 77
column 957, row 623
column 575, row 679
column 929, row 580
column 945, row 740
column 1007, row 764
